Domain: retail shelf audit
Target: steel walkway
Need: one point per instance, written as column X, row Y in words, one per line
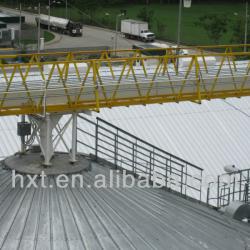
column 70, row 81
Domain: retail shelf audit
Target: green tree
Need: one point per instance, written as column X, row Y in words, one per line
column 161, row 27
column 89, row 7
column 215, row 26
column 146, row 15
column 238, row 31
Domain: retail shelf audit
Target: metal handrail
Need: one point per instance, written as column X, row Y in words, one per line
column 132, row 153
column 235, row 189
column 149, row 144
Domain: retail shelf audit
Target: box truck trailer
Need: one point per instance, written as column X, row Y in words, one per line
column 135, row 29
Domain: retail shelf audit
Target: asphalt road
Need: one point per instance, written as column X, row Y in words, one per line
column 92, row 36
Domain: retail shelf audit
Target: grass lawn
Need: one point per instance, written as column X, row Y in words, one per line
column 48, row 36
column 167, row 15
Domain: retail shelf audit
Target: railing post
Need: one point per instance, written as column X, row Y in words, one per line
column 150, row 166
column 218, row 191
column 200, row 184
column 166, row 175
column 222, row 196
column 248, row 180
column 181, row 179
column 115, row 150
column 240, row 185
column 96, row 141
column 246, row 192
column 186, row 168
column 229, row 195
column 170, row 172
column 208, row 193
column 133, row 159
column 233, row 188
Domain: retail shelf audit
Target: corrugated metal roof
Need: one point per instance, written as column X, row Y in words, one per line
column 10, row 143
column 112, row 218
column 210, row 135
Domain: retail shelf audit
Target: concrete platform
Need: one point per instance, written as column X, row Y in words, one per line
column 32, row 163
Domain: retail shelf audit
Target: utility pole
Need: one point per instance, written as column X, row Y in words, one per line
column 66, row 9
column 187, row 4
column 246, row 28
column 179, row 34
column 179, row 24
column 49, row 16
column 39, row 28
column 20, row 25
column 116, row 30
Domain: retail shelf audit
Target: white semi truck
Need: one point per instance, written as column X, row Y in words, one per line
column 61, row 25
column 135, row 29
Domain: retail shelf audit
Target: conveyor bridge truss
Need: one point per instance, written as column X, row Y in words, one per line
column 91, row 80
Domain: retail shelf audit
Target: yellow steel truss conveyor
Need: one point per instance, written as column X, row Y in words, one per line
column 75, row 81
